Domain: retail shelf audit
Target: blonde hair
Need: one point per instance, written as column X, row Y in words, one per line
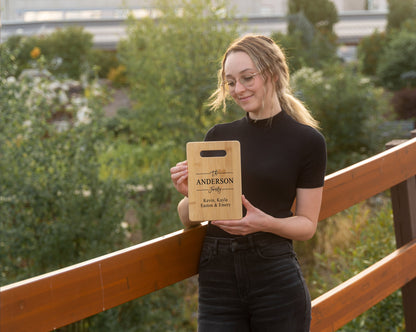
column 271, row 63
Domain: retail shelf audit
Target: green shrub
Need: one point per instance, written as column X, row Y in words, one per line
column 104, row 61
column 306, row 49
column 55, row 209
column 349, row 109
column 399, row 12
column 66, row 52
column 308, row 42
column 321, row 13
column 171, row 66
column 350, row 242
column 9, row 66
column 397, row 66
column 369, row 51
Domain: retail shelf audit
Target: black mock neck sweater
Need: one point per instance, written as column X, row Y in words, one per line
column 278, row 155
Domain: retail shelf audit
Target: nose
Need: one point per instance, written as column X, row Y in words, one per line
column 239, row 87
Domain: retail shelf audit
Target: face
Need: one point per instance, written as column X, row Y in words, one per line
column 247, row 86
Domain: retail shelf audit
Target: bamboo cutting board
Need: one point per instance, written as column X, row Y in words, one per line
column 214, row 180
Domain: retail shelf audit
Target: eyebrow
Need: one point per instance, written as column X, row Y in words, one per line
column 241, row 72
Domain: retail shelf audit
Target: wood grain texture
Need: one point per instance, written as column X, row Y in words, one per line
column 365, row 179
column 64, row 296
column 214, row 183
column 340, row 305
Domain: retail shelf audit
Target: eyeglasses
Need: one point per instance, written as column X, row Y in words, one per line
column 247, row 81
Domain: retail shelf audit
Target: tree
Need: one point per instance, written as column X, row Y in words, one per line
column 321, row 13
column 304, row 45
column 396, row 69
column 310, row 40
column 348, row 108
column 399, row 12
column 55, row 208
column 174, row 60
column 369, row 51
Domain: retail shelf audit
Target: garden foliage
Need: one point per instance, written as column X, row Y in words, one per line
column 369, row 51
column 321, row 13
column 310, row 40
column 397, row 66
column 347, row 244
column 399, row 12
column 350, row 110
column 55, row 209
column 65, row 53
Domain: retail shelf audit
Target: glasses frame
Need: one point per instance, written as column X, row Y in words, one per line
column 243, row 82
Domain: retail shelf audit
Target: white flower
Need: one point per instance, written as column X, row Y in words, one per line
column 77, row 101
column 83, row 115
column 55, row 85
column 11, row 80
column 61, row 126
column 63, row 98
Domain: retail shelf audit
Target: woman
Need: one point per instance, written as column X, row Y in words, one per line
column 249, row 278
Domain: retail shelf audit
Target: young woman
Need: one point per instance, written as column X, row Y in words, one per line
column 249, row 277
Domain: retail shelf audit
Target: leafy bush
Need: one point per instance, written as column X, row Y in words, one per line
column 349, row 109
column 350, row 242
column 56, row 210
column 321, row 13
column 171, row 66
column 304, row 45
column 310, row 40
column 103, row 61
column 117, row 76
column 396, row 69
column 369, row 51
column 66, row 52
column 8, row 62
column 399, row 12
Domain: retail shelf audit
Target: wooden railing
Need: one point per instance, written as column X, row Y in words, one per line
column 64, row 296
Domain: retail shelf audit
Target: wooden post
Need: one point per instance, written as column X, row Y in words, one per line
column 403, row 197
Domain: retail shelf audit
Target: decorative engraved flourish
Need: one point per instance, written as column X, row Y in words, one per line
column 215, row 172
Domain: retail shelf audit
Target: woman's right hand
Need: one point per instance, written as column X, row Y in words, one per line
column 179, row 176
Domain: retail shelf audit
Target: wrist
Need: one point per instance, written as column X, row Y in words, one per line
column 270, row 223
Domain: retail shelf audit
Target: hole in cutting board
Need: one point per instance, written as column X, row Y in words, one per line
column 213, row 153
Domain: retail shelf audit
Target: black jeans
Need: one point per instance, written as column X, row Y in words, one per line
column 252, row 283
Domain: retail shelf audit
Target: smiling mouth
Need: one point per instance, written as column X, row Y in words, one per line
column 244, row 98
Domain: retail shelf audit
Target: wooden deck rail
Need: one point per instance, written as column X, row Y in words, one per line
column 340, row 305
column 64, row 296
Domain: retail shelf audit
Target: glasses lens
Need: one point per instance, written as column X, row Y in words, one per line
column 246, row 81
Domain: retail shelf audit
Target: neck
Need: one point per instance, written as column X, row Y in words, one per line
column 267, row 112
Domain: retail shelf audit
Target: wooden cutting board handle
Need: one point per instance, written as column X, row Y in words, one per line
column 214, row 180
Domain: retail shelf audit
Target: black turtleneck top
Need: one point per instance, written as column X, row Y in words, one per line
column 278, row 155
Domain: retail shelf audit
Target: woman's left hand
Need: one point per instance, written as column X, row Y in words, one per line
column 255, row 220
